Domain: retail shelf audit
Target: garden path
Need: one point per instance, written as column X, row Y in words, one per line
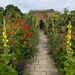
column 42, row 63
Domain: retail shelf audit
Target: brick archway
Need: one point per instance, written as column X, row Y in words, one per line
column 42, row 15
column 41, row 24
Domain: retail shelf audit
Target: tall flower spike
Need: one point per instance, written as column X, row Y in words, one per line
column 69, row 26
column 4, row 26
column 68, row 42
column 53, row 24
column 5, row 40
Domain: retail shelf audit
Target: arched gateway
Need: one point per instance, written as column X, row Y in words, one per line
column 42, row 16
column 41, row 24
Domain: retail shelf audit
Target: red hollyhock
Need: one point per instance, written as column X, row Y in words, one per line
column 50, row 29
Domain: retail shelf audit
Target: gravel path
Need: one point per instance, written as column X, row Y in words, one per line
column 42, row 63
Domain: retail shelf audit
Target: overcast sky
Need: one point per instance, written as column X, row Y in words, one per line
column 26, row 5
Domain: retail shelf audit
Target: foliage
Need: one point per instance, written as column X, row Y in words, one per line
column 58, row 38
column 14, row 11
column 7, row 58
column 1, row 18
column 20, row 37
column 19, row 40
column 69, row 66
column 1, row 9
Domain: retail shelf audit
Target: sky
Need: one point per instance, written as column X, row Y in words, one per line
column 26, row 5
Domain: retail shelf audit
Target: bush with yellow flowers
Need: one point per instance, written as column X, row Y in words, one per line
column 61, row 36
column 7, row 66
column 69, row 63
column 19, row 42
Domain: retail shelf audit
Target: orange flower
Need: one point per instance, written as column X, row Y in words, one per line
column 11, row 32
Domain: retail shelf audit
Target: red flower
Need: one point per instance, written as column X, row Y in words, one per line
column 26, row 36
column 10, row 17
column 26, row 26
column 50, row 29
column 30, row 33
column 27, row 32
column 18, row 21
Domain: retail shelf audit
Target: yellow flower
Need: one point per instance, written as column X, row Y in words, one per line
column 3, row 33
column 5, row 36
column 69, row 26
column 68, row 48
column 70, row 44
column 5, row 45
column 69, row 32
column 6, row 40
column 67, row 42
column 68, row 36
column 3, row 40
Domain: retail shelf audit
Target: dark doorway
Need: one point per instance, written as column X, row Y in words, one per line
column 41, row 25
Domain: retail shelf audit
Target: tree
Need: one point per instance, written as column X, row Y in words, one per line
column 72, row 16
column 8, row 9
column 66, row 12
column 12, row 10
column 1, row 9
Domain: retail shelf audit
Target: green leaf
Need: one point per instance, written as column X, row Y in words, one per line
column 67, row 73
column 72, row 71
